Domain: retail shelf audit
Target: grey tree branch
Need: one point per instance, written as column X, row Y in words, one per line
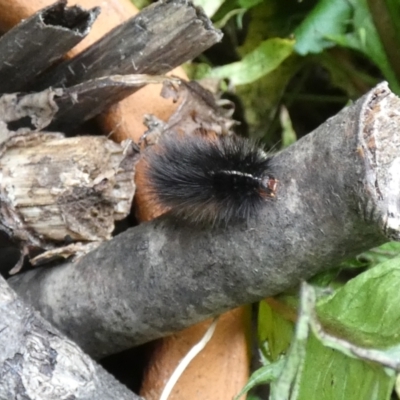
column 36, row 43
column 338, row 195
column 37, row 362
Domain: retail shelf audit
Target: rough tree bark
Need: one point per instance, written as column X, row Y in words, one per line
column 166, row 27
column 38, row 362
column 337, row 196
column 158, row 39
column 38, row 42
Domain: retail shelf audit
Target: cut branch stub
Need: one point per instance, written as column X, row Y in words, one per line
column 379, row 147
column 39, row 41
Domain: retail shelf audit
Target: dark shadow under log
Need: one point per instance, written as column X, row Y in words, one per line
column 38, row 42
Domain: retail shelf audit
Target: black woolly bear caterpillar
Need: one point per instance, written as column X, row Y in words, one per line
column 203, row 180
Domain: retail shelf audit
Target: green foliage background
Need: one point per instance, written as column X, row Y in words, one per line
column 289, row 65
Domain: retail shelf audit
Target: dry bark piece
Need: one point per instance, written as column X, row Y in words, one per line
column 81, row 102
column 65, row 109
column 54, row 189
column 158, row 39
column 197, row 112
column 35, row 111
column 74, row 250
column 113, row 12
column 125, row 119
column 65, row 189
column 338, row 196
column 39, row 41
column 38, row 362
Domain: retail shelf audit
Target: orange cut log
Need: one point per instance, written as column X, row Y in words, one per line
column 219, row 372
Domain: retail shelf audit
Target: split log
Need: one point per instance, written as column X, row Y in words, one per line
column 38, row 42
column 56, row 189
column 338, row 195
column 113, row 13
column 155, row 41
column 158, row 39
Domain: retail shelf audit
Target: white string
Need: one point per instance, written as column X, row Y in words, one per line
column 196, row 349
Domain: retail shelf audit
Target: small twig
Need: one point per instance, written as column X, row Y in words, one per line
column 196, row 349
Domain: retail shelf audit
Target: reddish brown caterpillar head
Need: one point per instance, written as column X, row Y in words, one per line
column 269, row 185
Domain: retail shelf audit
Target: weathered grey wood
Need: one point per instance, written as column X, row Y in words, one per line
column 161, row 37
column 81, row 102
column 55, row 189
column 37, row 42
column 38, row 362
column 338, row 195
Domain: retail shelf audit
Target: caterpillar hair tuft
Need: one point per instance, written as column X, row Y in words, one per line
column 203, row 180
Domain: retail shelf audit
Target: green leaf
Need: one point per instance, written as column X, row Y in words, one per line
column 231, row 9
column 261, row 98
column 366, row 310
column 331, row 375
column 248, row 3
column 329, row 17
column 139, row 4
column 266, row 374
column 328, row 366
column 256, row 64
column 196, row 71
column 274, row 331
column 238, row 12
column 329, row 371
column 288, row 133
column 364, row 38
